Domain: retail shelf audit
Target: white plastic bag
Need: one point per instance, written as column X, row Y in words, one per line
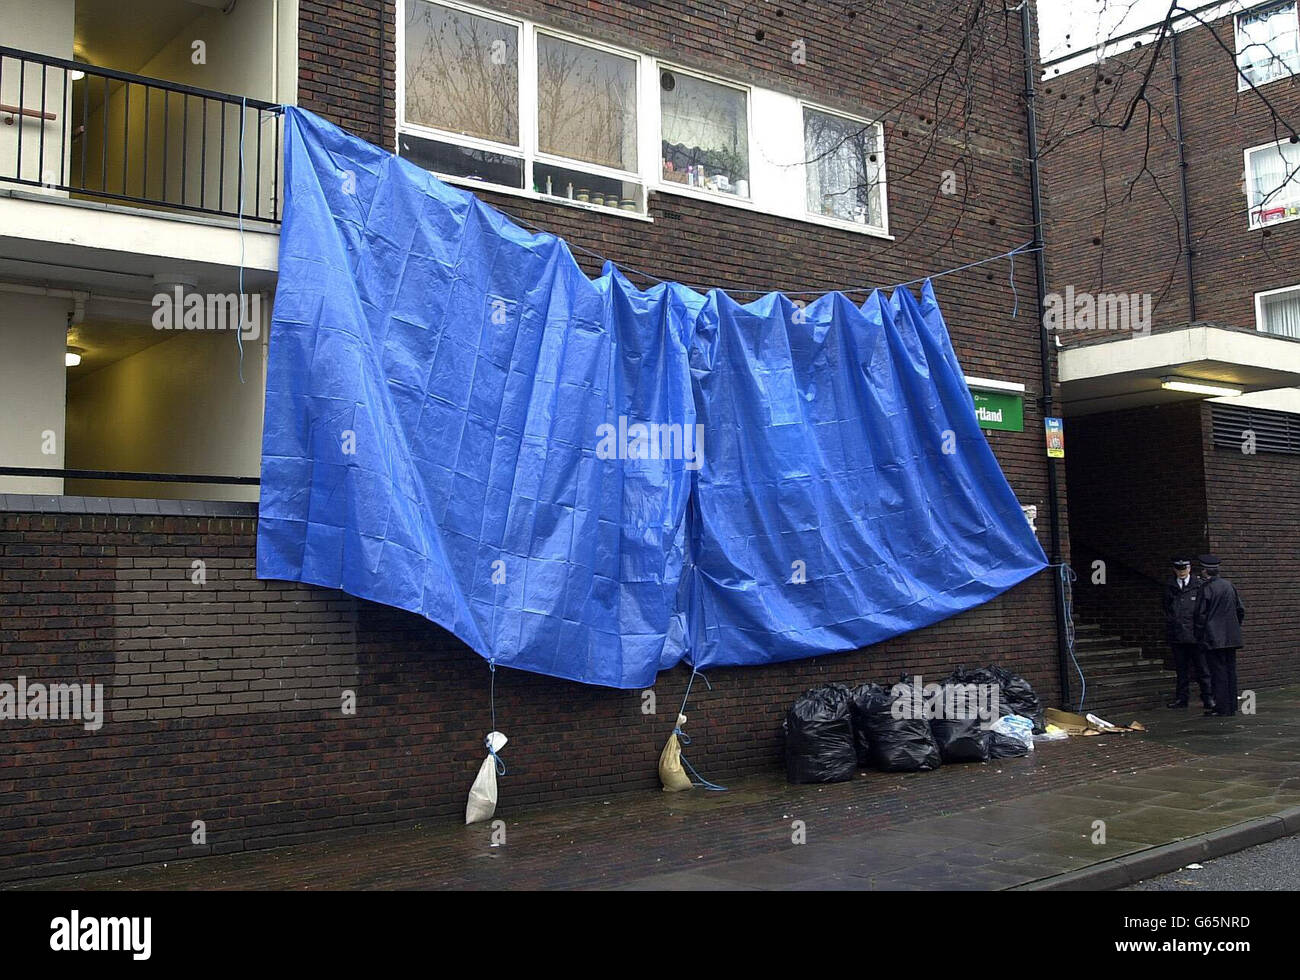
column 483, row 794
column 1017, row 727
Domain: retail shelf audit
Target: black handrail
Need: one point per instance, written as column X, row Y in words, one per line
column 124, row 76
column 67, row 474
column 140, row 145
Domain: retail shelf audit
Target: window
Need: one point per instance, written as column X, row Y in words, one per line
column 1273, row 182
column 1268, row 44
column 501, row 102
column 587, row 113
column 1277, row 311
column 844, row 168
column 462, row 79
column 705, row 133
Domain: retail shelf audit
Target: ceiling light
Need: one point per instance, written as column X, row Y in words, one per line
column 1199, row 387
column 72, row 357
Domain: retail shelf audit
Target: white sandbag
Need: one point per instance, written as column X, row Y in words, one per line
column 671, row 773
column 483, row 794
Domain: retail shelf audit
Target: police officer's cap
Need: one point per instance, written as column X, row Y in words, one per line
column 1181, row 563
column 1208, row 561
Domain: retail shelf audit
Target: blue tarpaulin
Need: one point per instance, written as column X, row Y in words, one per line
column 587, row 480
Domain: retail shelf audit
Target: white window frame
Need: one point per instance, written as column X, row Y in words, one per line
column 1254, row 223
column 880, row 229
column 685, row 190
column 446, row 136
column 1259, row 307
column 776, row 200
column 569, row 163
column 1242, row 83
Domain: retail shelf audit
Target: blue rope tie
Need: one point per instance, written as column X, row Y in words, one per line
column 685, row 739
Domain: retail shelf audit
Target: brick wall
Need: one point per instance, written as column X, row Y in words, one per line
column 1115, row 201
column 236, row 680
column 1137, row 490
column 223, row 700
column 1254, row 521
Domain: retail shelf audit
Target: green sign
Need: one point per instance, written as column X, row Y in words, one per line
column 1000, row 410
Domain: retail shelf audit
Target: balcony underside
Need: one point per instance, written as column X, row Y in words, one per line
column 1119, row 374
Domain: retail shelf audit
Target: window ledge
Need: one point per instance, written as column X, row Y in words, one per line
column 744, row 204
column 469, row 184
column 1261, row 225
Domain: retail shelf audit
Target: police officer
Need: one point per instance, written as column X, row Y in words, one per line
column 1181, row 595
column 1217, row 624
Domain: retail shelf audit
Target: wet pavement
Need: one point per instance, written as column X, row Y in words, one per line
column 983, row 826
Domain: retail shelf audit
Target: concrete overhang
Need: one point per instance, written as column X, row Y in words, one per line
column 1118, row 374
column 53, row 240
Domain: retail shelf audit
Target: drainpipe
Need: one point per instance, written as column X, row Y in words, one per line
column 1182, row 173
column 383, row 77
column 1044, row 351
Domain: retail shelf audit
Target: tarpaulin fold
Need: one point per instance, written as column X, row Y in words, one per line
column 583, row 479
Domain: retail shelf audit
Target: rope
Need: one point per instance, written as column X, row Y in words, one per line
column 685, row 739
column 1067, row 577
column 492, row 703
column 763, row 291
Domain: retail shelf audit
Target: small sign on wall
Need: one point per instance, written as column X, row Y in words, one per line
column 1000, row 410
column 1055, row 429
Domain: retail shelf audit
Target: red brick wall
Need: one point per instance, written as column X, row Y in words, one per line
column 1254, row 519
column 109, row 598
column 222, row 700
column 1137, row 486
column 1114, row 195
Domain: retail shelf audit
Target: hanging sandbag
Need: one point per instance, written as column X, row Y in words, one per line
column 483, row 794
column 671, row 773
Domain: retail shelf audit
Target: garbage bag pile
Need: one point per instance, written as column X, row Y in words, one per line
column 974, row 715
column 819, row 737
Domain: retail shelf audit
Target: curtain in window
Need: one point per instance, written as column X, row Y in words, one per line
column 1274, row 176
column 586, row 104
column 842, row 168
column 705, row 124
column 1267, row 46
column 1281, row 314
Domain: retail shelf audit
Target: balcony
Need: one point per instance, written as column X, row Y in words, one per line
column 97, row 134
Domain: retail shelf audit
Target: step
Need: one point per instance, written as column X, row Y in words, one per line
column 1116, row 655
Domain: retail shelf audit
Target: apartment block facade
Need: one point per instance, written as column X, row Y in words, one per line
column 1184, row 426
column 750, row 147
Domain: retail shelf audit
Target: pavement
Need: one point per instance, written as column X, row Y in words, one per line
column 1096, row 812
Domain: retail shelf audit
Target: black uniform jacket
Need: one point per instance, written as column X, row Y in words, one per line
column 1180, row 610
column 1219, row 614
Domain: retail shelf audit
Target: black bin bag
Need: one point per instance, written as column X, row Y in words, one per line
column 1014, row 692
column 819, row 737
column 901, row 744
column 961, row 739
column 864, row 696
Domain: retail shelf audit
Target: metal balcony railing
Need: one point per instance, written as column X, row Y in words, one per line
column 105, row 135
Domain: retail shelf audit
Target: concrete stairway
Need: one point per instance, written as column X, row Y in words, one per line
column 1122, row 684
